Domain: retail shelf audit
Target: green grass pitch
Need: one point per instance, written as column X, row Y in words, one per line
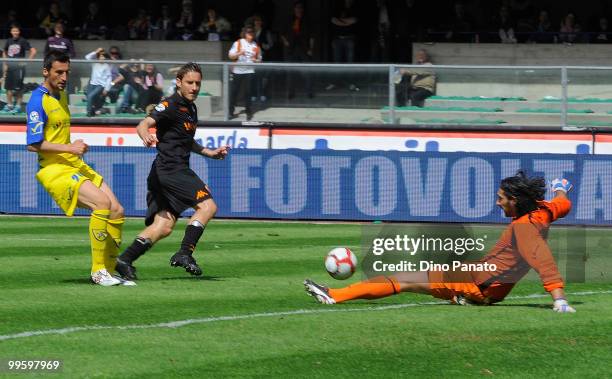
column 250, row 316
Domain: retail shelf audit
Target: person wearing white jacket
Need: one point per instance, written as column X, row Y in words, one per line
column 100, row 82
column 245, row 50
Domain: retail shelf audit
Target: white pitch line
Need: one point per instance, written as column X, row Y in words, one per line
column 179, row 323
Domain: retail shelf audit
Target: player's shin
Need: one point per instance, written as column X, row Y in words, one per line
column 139, row 246
column 374, row 288
column 193, row 232
column 98, row 236
column 114, row 227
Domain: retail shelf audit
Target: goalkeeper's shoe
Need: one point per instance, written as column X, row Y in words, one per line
column 126, row 270
column 561, row 306
column 461, row 300
column 103, row 278
column 561, row 185
column 187, row 262
column 319, row 292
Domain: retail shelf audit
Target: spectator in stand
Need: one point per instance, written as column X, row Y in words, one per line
column 138, row 27
column 245, row 50
column 215, row 27
column 51, row 19
column 505, row 25
column 522, row 11
column 14, row 73
column 415, row 85
column 11, row 19
column 543, row 30
column 59, row 42
column 163, row 28
column 298, row 42
column 116, row 79
column 266, row 9
column 602, row 34
column 132, row 77
column 569, row 31
column 407, row 26
column 186, row 22
column 380, row 32
column 460, row 26
column 93, row 26
column 344, row 26
column 265, row 41
column 100, row 82
column 153, row 85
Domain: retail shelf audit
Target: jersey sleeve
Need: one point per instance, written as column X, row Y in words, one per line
column 559, row 207
column 36, row 118
column 535, row 251
column 161, row 112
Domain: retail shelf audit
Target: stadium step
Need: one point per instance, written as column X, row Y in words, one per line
column 513, row 106
column 514, row 118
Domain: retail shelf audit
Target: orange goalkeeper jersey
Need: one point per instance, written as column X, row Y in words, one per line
column 523, row 246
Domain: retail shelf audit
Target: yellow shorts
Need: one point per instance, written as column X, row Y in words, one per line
column 62, row 182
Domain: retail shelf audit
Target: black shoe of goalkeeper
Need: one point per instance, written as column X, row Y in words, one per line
column 126, row 270
column 187, row 262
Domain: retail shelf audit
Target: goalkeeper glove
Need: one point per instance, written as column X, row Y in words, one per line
column 561, row 185
column 561, row 306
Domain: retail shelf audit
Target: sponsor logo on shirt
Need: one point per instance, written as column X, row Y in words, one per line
column 161, row 106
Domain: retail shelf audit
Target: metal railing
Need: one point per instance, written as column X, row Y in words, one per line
column 302, row 92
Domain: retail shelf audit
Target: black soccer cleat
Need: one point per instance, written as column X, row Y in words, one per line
column 126, row 270
column 187, row 262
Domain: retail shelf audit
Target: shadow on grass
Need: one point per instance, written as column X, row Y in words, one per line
column 78, row 281
column 203, row 277
column 531, row 305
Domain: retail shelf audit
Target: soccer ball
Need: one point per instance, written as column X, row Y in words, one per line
column 340, row 263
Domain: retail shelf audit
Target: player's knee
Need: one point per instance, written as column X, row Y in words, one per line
column 164, row 231
column 102, row 202
column 117, row 210
column 212, row 208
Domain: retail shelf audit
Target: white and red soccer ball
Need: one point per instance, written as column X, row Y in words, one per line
column 341, row 263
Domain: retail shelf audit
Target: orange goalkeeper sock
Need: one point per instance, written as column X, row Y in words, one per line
column 375, row 288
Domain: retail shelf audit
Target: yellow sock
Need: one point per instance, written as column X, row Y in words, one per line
column 114, row 228
column 98, row 236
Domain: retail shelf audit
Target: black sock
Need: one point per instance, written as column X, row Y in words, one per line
column 191, row 238
column 136, row 249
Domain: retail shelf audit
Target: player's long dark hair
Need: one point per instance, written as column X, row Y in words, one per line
column 526, row 191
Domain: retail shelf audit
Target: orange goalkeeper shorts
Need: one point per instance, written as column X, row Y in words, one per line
column 448, row 284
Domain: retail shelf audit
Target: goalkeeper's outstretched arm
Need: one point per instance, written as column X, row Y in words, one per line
column 561, row 187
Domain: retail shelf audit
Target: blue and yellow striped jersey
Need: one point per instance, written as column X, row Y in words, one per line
column 48, row 119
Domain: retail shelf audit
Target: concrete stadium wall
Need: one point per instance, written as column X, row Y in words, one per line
column 153, row 50
column 532, row 84
column 518, row 54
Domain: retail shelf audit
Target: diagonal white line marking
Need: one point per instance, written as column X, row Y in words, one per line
column 179, row 323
